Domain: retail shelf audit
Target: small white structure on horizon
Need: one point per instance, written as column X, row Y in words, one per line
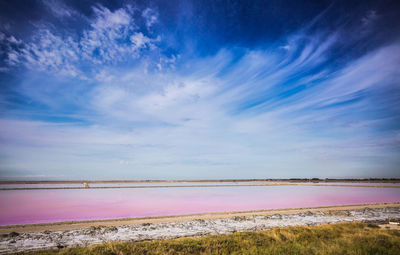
column 85, row 185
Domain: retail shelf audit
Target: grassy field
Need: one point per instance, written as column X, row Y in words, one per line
column 344, row 238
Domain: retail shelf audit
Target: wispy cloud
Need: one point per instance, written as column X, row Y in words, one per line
column 60, row 9
column 369, row 18
column 288, row 109
column 112, row 37
column 151, row 17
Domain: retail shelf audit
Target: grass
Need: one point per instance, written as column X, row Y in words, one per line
column 344, row 238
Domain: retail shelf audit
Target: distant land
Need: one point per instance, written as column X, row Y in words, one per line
column 313, row 180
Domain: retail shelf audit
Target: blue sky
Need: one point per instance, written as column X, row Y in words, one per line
column 199, row 89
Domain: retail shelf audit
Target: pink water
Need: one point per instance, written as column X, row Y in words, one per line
column 125, row 184
column 38, row 206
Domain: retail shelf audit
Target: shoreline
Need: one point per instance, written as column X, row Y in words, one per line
column 72, row 225
column 238, row 184
column 293, row 180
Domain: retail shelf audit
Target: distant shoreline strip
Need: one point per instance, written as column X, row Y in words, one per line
column 201, row 186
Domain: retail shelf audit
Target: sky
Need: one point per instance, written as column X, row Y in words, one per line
column 199, row 89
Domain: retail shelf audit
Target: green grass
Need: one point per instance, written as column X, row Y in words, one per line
column 344, row 238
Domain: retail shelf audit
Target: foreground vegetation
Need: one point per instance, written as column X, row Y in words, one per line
column 344, row 238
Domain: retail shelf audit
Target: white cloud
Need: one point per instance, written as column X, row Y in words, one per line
column 285, row 47
column 49, row 53
column 265, row 112
column 13, row 58
column 139, row 40
column 104, row 18
column 12, row 39
column 111, row 38
column 151, row 17
column 60, row 9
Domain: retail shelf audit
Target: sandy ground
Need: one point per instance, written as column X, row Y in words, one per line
column 43, row 236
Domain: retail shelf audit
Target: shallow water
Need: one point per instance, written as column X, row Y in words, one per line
column 120, row 184
column 130, row 184
column 353, row 183
column 38, row 206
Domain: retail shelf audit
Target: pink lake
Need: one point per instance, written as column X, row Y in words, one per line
column 39, row 206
